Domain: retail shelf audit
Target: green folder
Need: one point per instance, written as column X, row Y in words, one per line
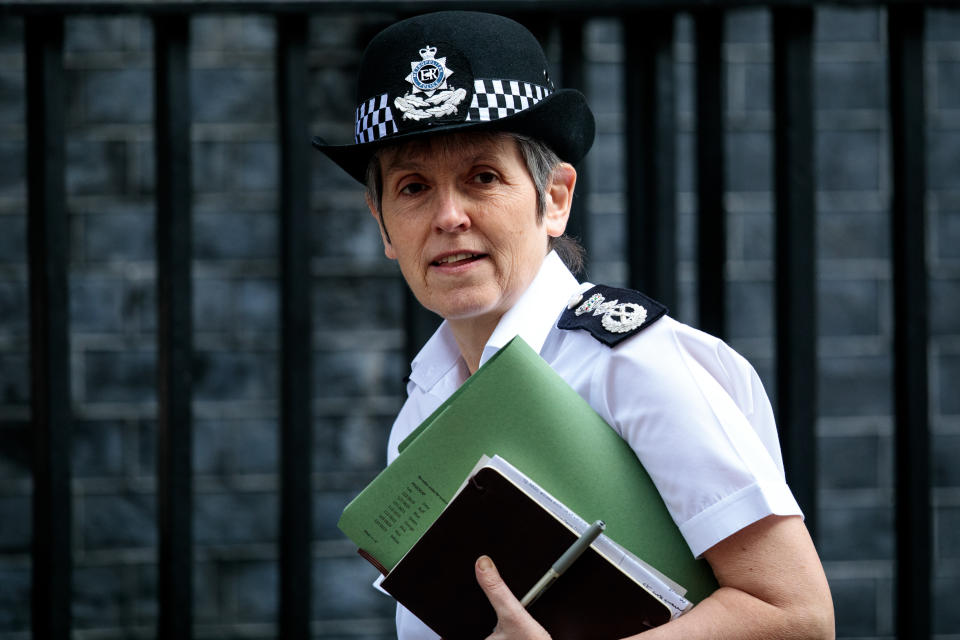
column 517, row 407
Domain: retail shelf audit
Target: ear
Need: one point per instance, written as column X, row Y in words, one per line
column 559, row 199
column 387, row 246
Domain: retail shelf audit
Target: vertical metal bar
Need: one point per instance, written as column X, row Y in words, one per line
column 651, row 155
column 905, row 25
column 711, row 213
column 296, row 424
column 795, row 262
column 174, row 327
column 48, row 249
column 573, row 76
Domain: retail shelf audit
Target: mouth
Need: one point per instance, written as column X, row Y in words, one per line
column 457, row 259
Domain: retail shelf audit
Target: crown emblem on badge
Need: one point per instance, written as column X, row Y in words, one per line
column 429, row 76
column 429, row 73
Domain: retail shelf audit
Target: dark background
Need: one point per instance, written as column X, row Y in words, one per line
column 358, row 299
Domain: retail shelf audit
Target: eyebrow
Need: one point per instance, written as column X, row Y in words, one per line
column 405, row 164
column 415, row 164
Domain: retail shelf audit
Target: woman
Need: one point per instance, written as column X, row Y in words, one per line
column 467, row 152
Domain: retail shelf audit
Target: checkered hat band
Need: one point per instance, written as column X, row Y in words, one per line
column 374, row 120
column 495, row 99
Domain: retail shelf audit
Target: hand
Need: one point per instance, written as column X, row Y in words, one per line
column 513, row 621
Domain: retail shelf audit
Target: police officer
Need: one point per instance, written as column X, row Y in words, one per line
column 466, row 149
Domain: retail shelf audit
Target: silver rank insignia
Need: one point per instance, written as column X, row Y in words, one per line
column 606, row 317
column 615, row 317
column 429, row 77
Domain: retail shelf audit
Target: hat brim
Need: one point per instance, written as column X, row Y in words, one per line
column 563, row 120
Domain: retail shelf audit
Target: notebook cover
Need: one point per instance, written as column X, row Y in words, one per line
column 435, row 580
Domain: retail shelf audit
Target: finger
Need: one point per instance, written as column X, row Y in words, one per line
column 498, row 593
column 513, row 621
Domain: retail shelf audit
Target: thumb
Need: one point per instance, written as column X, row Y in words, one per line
column 513, row 621
column 497, row 591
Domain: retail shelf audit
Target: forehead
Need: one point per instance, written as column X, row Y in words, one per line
column 450, row 150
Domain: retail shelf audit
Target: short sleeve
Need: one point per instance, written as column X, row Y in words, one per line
column 696, row 414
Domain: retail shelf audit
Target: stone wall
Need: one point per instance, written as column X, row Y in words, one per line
column 358, row 298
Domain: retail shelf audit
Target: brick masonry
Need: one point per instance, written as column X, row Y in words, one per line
column 358, row 297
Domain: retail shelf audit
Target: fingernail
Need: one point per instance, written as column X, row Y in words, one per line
column 484, row 563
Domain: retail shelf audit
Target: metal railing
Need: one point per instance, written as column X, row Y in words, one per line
column 651, row 207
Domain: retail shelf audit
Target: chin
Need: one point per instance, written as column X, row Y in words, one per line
column 460, row 305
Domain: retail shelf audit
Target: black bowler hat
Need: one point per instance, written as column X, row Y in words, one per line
column 456, row 71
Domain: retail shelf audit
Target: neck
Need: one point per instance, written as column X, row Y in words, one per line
column 471, row 336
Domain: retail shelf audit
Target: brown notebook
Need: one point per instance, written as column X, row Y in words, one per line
column 435, row 580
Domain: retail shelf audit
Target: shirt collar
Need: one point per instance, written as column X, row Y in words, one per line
column 437, row 357
column 537, row 310
column 550, row 290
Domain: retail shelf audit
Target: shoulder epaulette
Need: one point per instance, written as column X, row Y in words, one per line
column 610, row 314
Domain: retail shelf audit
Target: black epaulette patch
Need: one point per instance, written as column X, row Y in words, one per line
column 610, row 314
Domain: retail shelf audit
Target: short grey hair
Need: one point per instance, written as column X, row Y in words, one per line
column 541, row 162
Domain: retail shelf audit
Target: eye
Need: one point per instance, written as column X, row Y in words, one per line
column 485, row 177
column 412, row 188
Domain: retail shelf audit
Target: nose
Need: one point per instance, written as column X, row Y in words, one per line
column 450, row 215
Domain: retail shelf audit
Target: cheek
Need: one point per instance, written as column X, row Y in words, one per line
column 404, row 244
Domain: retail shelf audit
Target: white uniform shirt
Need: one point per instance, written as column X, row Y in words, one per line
column 692, row 409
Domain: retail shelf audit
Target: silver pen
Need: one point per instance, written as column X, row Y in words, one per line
column 564, row 562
